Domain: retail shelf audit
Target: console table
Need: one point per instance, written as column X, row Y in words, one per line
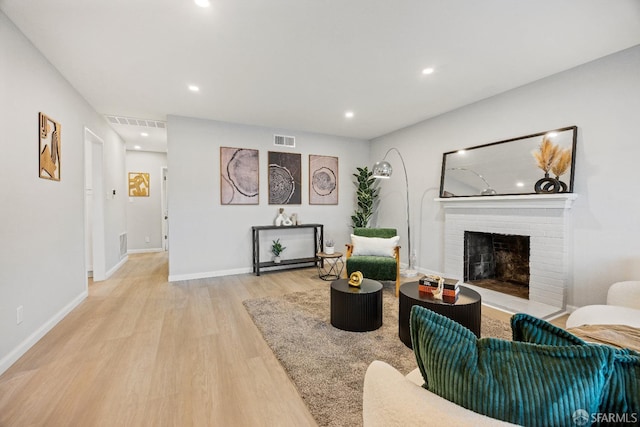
column 318, row 239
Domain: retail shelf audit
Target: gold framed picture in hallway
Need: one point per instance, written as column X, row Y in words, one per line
column 138, row 184
column 49, row 143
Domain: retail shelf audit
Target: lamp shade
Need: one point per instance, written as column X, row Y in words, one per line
column 382, row 169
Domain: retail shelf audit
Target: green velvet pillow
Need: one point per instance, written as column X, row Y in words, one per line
column 621, row 394
column 518, row 382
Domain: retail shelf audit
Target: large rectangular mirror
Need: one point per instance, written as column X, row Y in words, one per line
column 532, row 164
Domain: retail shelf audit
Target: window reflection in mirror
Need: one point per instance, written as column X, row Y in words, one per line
column 506, row 167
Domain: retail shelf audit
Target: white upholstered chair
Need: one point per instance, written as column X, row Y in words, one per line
column 622, row 308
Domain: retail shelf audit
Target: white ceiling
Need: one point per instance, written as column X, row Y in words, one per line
column 300, row 64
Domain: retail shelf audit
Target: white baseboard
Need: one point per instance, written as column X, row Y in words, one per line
column 204, row 275
column 116, row 267
column 24, row 346
column 571, row 308
column 144, row 251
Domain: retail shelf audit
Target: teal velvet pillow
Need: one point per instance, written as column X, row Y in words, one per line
column 621, row 394
column 518, row 382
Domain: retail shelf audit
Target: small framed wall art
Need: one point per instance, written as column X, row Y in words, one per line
column 285, row 178
column 323, row 180
column 138, row 184
column 239, row 176
column 49, row 148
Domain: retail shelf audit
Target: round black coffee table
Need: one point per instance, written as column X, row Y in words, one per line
column 466, row 310
column 357, row 309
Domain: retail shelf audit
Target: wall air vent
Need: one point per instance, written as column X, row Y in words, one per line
column 118, row 120
column 123, row 245
column 284, row 141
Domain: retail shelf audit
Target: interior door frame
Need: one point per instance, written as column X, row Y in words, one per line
column 94, row 189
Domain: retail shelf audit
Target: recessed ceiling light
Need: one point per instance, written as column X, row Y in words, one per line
column 202, row 3
column 137, row 147
column 428, row 71
column 194, row 88
column 144, row 134
column 349, row 114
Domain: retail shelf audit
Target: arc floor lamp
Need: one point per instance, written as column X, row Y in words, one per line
column 383, row 170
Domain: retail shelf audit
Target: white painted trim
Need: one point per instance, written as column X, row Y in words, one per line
column 24, row 346
column 116, row 267
column 204, row 275
column 98, row 232
column 528, row 201
column 571, row 308
column 144, row 251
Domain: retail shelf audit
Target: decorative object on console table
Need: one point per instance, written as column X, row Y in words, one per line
column 323, row 180
column 280, row 218
column 49, row 148
column 277, row 249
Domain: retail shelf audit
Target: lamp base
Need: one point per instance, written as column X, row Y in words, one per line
column 408, row 273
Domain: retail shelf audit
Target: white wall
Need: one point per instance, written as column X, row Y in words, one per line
column 602, row 98
column 208, row 239
column 42, row 258
column 144, row 214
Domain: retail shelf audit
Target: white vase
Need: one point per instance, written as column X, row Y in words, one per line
column 276, row 259
column 329, row 250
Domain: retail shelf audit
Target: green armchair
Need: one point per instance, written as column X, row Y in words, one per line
column 375, row 259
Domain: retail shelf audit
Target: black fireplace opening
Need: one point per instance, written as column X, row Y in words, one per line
column 499, row 262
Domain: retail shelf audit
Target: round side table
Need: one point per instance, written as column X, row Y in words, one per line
column 330, row 265
column 466, row 310
column 357, row 309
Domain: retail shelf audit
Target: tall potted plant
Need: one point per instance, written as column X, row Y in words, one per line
column 367, row 194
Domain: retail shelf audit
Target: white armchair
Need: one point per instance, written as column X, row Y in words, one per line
column 622, row 308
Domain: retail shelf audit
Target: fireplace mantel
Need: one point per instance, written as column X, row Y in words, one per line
column 526, row 201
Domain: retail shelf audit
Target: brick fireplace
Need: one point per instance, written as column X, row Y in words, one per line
column 545, row 219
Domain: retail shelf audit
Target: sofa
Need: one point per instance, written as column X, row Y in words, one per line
column 622, row 308
column 391, row 399
column 501, row 378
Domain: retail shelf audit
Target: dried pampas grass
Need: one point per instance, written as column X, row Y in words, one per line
column 562, row 162
column 546, row 154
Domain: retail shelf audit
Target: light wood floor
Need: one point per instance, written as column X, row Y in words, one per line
column 142, row 351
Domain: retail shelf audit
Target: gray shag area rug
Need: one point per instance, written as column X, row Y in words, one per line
column 327, row 364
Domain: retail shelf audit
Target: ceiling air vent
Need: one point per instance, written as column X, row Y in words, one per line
column 284, row 141
column 119, row 120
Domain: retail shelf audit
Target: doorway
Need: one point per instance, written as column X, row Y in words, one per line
column 94, row 196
